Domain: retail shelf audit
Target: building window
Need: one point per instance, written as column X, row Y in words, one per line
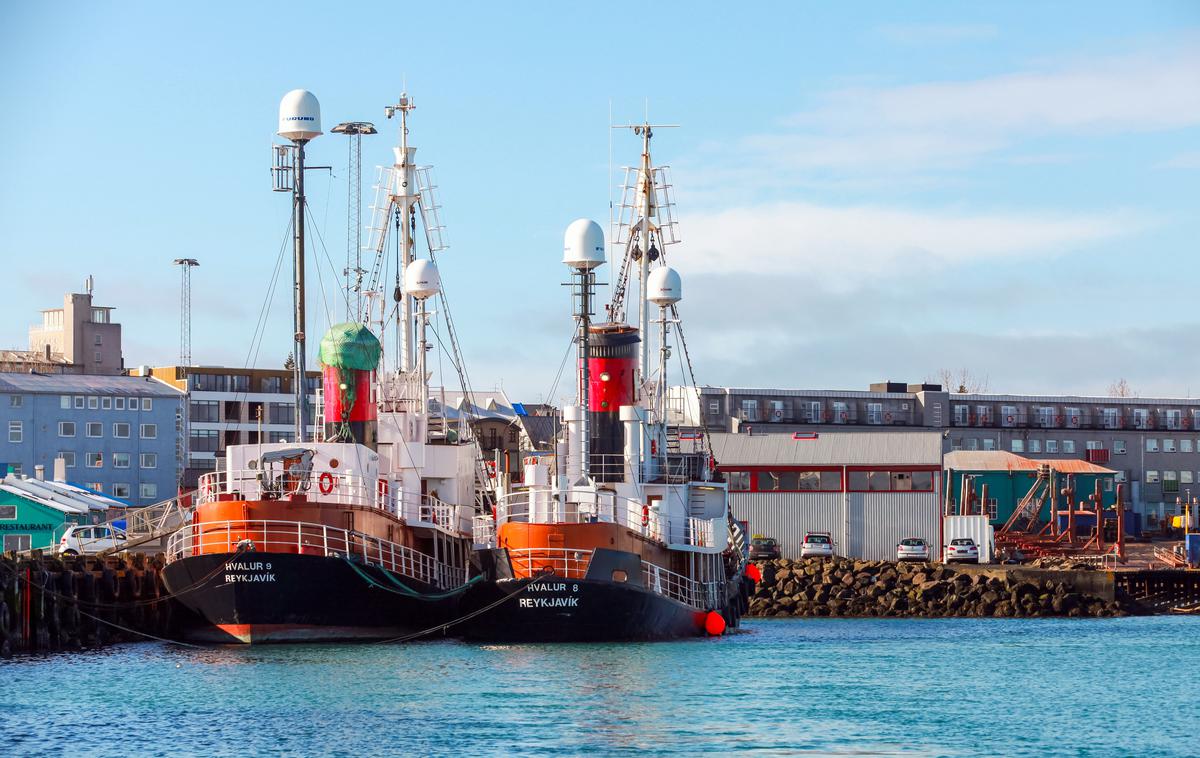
column 8, row 513
column 149, row 431
column 120, row 489
column 1045, row 416
column 1094, row 445
column 68, row 457
column 1121, row 476
column 1185, row 445
column 1151, row 445
column 147, row 403
column 874, row 413
column 962, row 415
column 281, row 413
column 1112, row 418
column 956, row 444
column 278, row 436
column 205, row 440
column 1119, row 446
column 1008, row 415
column 149, row 460
column 274, row 384
column 1168, row 445
column 120, row 460
column 96, row 486
column 18, row 542
column 1074, row 417
column 841, row 413
column 106, row 403
column 1018, row 446
column 983, row 415
column 1035, row 446
column 205, row 411
column 989, row 443
column 93, row 402
column 1051, row 446
column 16, row 401
column 64, row 402
column 66, row 428
column 98, row 342
column 119, row 403
column 1151, row 476
column 750, row 410
column 16, row 433
column 972, row 443
column 1170, row 481
column 1185, row 477
column 132, row 404
column 95, row 429
column 812, row 413
column 777, row 411
column 1068, row 446
column 148, row 490
column 739, row 481
column 1174, row 418
column 121, row 430
column 93, row 460
column 1141, row 418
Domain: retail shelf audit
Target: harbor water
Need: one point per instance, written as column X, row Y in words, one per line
column 954, row 687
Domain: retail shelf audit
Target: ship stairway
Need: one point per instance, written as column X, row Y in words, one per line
column 144, row 526
column 673, row 439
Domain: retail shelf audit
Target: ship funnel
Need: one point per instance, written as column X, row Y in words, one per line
column 349, row 356
column 583, row 245
column 299, row 116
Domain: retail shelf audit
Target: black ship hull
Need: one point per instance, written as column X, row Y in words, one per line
column 284, row 597
column 552, row 608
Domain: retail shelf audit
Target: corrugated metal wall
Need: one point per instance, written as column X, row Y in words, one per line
column 878, row 520
column 977, row 528
column 786, row 516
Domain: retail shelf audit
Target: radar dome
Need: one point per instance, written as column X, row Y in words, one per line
column 663, row 286
column 299, row 116
column 583, row 244
column 421, row 279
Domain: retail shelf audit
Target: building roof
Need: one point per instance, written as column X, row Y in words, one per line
column 1001, row 460
column 60, row 496
column 65, row 384
column 987, row 460
column 907, row 448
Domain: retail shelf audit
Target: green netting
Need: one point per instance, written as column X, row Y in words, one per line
column 349, row 346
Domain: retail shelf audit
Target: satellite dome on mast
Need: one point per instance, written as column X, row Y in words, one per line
column 421, row 279
column 663, row 286
column 299, row 116
column 583, row 245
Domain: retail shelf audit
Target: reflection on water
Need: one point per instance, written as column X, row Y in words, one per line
column 821, row 687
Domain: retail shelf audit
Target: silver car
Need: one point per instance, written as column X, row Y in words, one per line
column 912, row 549
column 817, row 545
column 962, row 550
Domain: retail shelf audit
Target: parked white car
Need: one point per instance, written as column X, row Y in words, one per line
column 85, row 539
column 817, row 545
column 962, row 550
column 912, row 549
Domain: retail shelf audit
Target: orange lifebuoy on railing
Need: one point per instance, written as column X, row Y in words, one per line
column 1011, row 419
column 645, row 515
column 887, row 417
column 325, row 482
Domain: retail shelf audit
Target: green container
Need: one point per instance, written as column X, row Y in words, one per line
column 350, row 346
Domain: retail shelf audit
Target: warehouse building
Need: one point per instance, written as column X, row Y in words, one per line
column 1152, row 444
column 867, row 491
column 1010, row 477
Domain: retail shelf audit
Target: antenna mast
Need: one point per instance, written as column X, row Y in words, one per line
column 185, row 310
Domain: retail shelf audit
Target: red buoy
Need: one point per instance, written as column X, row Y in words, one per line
column 714, row 624
column 752, row 573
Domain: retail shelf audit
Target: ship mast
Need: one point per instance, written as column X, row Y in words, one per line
column 299, row 122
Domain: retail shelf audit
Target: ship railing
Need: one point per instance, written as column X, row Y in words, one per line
column 483, row 531
column 300, row 538
column 700, row 532
column 565, row 562
column 340, row 487
column 679, row 587
column 542, row 505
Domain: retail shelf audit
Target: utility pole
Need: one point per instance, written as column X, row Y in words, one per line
column 185, row 310
column 354, row 270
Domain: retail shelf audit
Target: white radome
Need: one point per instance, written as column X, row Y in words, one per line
column 299, row 116
column 421, row 279
column 583, row 244
column 663, row 286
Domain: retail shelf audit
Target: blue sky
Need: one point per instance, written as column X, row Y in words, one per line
column 866, row 190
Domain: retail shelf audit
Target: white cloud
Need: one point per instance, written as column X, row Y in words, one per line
column 1182, row 160
column 872, row 242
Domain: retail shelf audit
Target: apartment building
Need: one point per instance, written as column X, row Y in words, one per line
column 78, row 338
column 232, row 406
column 1152, row 443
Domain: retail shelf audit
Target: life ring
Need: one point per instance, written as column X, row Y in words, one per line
column 887, row 417
column 845, row 415
column 645, row 515
column 325, row 483
column 1058, row 420
column 1011, row 419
